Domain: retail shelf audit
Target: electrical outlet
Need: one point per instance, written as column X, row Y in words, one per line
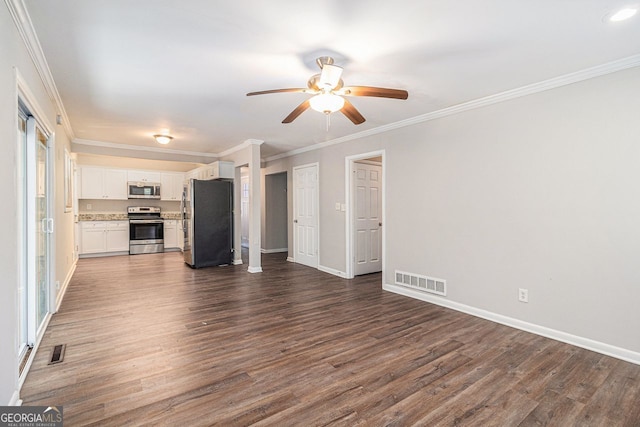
column 523, row 295
column 89, row 207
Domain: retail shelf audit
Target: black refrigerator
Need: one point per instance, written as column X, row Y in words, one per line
column 207, row 221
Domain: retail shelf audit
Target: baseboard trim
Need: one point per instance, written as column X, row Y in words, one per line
column 15, row 399
column 586, row 343
column 65, row 284
column 254, row 269
column 290, row 259
column 103, row 254
column 332, row 271
column 274, row 251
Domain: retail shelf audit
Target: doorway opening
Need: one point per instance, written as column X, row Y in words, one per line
column 365, row 192
column 275, row 222
column 244, row 207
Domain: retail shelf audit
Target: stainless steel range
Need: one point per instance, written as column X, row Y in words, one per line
column 146, row 230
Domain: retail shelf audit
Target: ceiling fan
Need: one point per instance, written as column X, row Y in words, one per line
column 328, row 92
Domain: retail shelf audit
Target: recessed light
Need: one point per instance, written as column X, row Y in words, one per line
column 623, row 14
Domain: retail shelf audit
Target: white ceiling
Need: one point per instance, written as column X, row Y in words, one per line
column 127, row 69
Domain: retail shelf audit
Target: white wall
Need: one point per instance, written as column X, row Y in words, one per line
column 541, row 192
column 14, row 55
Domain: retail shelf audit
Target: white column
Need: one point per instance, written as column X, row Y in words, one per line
column 255, row 207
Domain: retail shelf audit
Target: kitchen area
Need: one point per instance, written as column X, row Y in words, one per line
column 123, row 211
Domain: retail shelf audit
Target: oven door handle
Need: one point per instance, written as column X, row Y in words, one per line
column 146, row 221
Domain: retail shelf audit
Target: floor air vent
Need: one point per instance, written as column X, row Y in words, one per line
column 422, row 283
column 57, row 354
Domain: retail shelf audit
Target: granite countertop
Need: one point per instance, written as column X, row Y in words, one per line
column 121, row 216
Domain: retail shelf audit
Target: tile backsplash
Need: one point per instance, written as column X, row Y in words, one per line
column 120, row 206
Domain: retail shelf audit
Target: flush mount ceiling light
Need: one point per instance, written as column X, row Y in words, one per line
column 163, row 139
column 623, row 14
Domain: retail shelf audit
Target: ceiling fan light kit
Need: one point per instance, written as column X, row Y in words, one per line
column 327, row 103
column 329, row 92
column 330, row 76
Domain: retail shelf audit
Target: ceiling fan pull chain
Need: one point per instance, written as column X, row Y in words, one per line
column 328, row 120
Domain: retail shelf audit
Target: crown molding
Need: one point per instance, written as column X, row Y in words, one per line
column 21, row 18
column 141, row 148
column 555, row 82
column 239, row 147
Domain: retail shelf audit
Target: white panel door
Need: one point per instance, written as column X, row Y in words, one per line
column 305, row 222
column 368, row 218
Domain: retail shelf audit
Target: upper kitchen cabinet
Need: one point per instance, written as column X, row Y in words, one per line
column 103, row 183
column 171, row 186
column 145, row 176
column 215, row 170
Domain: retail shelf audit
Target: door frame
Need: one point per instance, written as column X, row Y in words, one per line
column 26, row 96
column 294, row 233
column 350, row 211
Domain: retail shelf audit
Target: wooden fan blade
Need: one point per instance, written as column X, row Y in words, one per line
column 265, row 92
column 298, row 110
column 379, row 92
column 352, row 114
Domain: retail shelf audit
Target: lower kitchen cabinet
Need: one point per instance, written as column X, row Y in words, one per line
column 173, row 235
column 104, row 237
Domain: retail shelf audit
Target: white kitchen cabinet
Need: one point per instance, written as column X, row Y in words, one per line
column 180, row 234
column 215, row 170
column 173, row 234
column 117, row 236
column 171, row 186
column 115, row 184
column 192, row 174
column 144, row 176
column 170, row 234
column 104, row 236
column 218, row 170
column 93, row 238
column 103, row 183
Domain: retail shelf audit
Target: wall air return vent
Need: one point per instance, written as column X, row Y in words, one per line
column 422, row 283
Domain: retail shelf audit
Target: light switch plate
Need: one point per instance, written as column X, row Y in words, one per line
column 343, row 207
column 337, row 206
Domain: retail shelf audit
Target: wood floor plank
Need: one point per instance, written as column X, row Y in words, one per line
column 152, row 342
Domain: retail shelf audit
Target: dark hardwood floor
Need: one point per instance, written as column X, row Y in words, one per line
column 153, row 342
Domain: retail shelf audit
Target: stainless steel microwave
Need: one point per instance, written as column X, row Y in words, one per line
column 143, row 190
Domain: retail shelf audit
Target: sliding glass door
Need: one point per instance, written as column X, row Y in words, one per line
column 23, row 310
column 42, row 227
column 37, row 227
